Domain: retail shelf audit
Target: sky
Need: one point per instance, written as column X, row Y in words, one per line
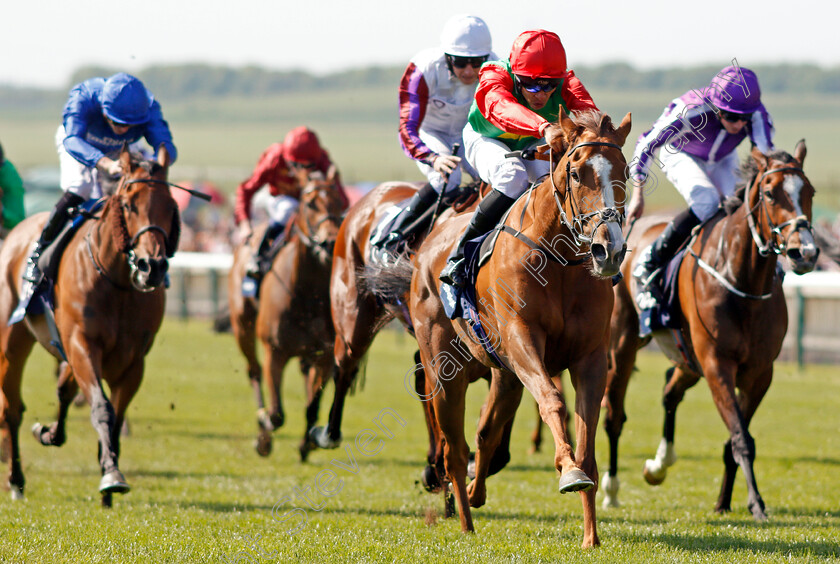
column 44, row 41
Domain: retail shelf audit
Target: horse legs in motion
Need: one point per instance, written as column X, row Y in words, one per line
column 55, row 434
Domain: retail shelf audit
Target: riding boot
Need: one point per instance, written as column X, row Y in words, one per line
column 403, row 228
column 54, row 225
column 257, row 266
column 654, row 258
column 490, row 210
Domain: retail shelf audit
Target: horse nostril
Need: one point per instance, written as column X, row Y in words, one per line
column 144, row 266
column 599, row 252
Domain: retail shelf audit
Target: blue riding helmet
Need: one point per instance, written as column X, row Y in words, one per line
column 125, row 100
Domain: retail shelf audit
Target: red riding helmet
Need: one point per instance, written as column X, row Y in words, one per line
column 538, row 54
column 301, row 146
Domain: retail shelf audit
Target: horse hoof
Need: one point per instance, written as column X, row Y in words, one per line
column 575, row 481
column 430, row 480
column 263, row 443
column 37, row 428
column 654, row 472
column 321, row 438
column 17, row 492
column 113, row 482
column 305, row 448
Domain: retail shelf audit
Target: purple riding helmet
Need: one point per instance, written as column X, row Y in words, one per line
column 735, row 89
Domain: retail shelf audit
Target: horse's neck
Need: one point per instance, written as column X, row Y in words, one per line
column 546, row 226
column 738, row 254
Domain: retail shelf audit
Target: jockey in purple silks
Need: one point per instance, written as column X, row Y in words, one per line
column 699, row 132
column 436, row 91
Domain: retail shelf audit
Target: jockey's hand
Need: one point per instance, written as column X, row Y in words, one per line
column 245, row 230
column 636, row 206
column 445, row 164
column 553, row 133
column 110, row 167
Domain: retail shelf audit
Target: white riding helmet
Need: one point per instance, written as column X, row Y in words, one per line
column 466, row 36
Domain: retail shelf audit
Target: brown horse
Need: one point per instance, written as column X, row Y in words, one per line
column 733, row 316
column 109, row 304
column 291, row 318
column 542, row 316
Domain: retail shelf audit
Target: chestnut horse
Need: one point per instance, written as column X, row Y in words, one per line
column 109, row 304
column 291, row 318
column 543, row 316
column 733, row 316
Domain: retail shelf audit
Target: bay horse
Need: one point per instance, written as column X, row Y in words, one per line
column 544, row 315
column 732, row 316
column 109, row 305
column 291, row 317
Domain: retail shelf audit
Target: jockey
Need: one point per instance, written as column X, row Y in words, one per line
column 99, row 116
column 700, row 131
column 436, row 91
column 11, row 186
column 515, row 105
column 276, row 167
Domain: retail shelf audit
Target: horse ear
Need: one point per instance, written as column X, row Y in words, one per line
column 125, row 158
column 759, row 158
column 332, row 174
column 568, row 125
column 164, row 159
column 800, row 151
column 624, row 128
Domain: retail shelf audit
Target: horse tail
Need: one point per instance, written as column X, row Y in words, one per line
column 388, row 283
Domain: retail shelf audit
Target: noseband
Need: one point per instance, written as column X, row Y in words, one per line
column 797, row 223
column 605, row 215
column 310, row 239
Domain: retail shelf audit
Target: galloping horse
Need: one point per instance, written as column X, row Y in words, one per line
column 546, row 309
column 109, row 304
column 732, row 316
column 292, row 315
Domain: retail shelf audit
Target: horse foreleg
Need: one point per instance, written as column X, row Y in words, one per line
column 740, row 449
column 316, row 378
column 18, row 345
column 449, row 410
column 499, row 408
column 536, row 434
column 67, row 388
column 677, row 382
column 273, row 419
column 589, row 377
column 618, row 377
column 244, row 329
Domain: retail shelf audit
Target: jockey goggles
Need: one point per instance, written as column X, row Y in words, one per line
column 297, row 166
column 462, row 62
column 534, row 85
column 732, row 117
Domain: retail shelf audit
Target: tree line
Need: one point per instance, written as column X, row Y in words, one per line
column 185, row 81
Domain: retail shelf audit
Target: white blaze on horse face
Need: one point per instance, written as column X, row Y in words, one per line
column 792, row 184
column 603, row 171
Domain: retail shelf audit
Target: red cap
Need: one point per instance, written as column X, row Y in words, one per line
column 301, row 146
column 538, row 54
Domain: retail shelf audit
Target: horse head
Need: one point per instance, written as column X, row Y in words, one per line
column 589, row 182
column 780, row 199
column 145, row 219
column 320, row 213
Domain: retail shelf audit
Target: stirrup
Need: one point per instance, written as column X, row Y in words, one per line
column 453, row 273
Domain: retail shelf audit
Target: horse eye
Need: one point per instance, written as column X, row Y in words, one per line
column 575, row 176
column 769, row 195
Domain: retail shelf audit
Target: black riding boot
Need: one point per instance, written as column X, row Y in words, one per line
column 403, row 228
column 485, row 218
column 257, row 266
column 663, row 249
column 54, row 225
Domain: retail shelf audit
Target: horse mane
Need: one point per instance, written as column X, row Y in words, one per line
column 115, row 221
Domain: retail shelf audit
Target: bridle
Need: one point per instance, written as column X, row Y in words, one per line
column 309, row 238
column 575, row 226
column 797, row 223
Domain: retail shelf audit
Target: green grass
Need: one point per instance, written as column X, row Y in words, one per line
column 201, row 492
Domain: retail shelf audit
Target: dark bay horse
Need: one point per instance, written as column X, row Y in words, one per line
column 546, row 308
column 109, row 304
column 733, row 316
column 291, row 317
